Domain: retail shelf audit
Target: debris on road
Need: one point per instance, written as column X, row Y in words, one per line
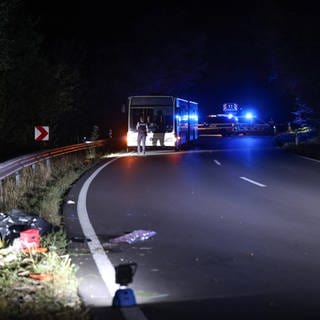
column 137, row 235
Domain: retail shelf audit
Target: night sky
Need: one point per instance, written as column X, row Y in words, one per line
column 225, row 56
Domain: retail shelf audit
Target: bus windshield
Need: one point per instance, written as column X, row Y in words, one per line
column 158, row 118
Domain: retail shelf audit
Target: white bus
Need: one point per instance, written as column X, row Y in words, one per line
column 172, row 121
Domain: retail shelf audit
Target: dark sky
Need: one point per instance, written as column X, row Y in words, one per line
column 237, row 64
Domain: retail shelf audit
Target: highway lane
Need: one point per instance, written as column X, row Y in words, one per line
column 234, row 218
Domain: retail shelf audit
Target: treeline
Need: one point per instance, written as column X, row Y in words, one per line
column 73, row 81
column 287, row 32
column 33, row 90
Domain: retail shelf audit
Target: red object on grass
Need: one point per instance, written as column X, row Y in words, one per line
column 30, row 238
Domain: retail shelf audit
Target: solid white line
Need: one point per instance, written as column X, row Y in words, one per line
column 315, row 160
column 254, row 182
column 103, row 263
column 217, row 162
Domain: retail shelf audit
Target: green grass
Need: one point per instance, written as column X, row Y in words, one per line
column 310, row 148
column 41, row 191
column 25, row 298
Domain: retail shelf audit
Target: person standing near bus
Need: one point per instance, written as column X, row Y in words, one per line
column 142, row 129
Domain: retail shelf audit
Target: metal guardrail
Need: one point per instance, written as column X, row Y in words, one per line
column 13, row 166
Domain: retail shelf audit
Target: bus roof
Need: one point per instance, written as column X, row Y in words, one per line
column 155, row 100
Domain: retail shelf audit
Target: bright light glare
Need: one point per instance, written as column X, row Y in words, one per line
column 194, row 117
column 249, row 115
column 186, row 117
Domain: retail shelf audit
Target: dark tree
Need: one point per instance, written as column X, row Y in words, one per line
column 288, row 35
column 32, row 91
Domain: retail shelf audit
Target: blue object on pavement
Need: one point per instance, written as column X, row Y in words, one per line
column 124, row 298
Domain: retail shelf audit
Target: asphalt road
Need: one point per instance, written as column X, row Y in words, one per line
column 236, row 232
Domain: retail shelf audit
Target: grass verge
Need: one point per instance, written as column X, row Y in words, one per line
column 35, row 284
column 309, row 148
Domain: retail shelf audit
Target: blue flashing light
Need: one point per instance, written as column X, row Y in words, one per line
column 249, row 115
column 194, row 117
column 230, row 116
column 186, row 117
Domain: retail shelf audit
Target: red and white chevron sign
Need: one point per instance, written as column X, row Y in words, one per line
column 41, row 133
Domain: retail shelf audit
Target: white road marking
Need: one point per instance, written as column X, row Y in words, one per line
column 103, row 263
column 253, row 182
column 315, row 160
column 217, row 162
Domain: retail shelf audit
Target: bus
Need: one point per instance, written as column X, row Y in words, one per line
column 172, row 121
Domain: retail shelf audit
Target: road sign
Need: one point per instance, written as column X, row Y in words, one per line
column 230, row 107
column 41, row 133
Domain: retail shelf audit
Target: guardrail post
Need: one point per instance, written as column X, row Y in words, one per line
column 48, row 164
column 1, row 192
column 18, row 178
column 297, row 138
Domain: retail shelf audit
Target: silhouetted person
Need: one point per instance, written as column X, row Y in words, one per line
column 142, row 129
column 159, row 131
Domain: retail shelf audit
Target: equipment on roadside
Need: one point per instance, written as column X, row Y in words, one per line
column 124, row 296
